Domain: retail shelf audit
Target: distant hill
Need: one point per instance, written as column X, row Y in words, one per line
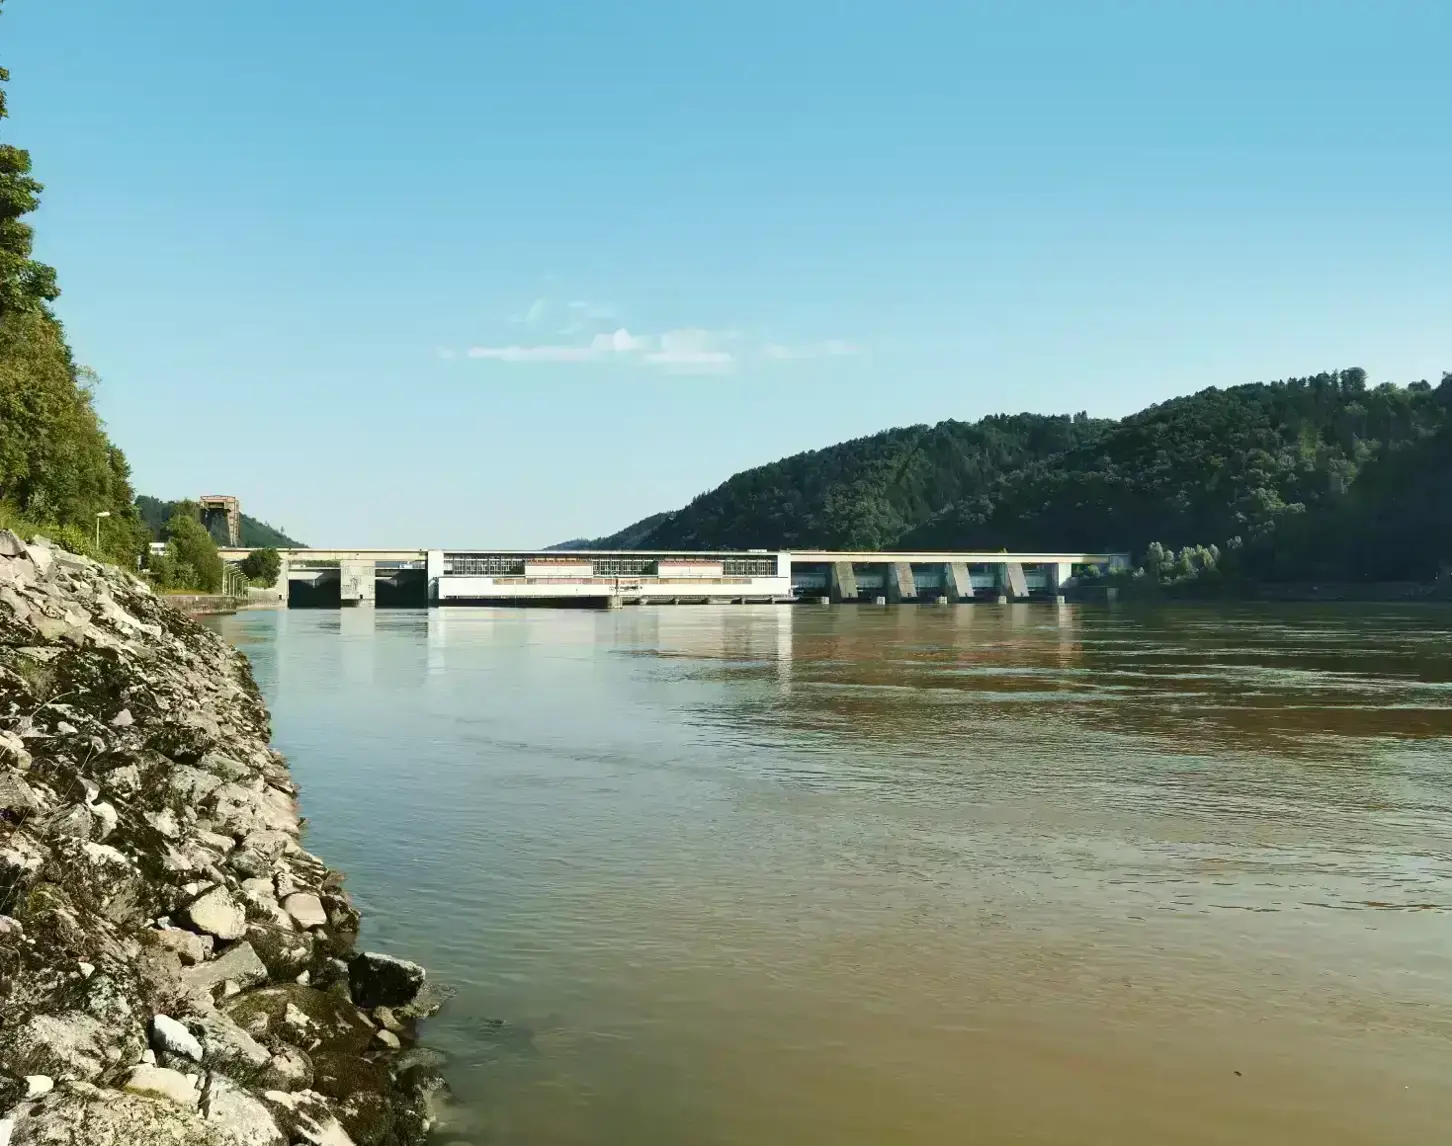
column 631, row 537
column 255, row 534
column 1309, row 478
column 861, row 494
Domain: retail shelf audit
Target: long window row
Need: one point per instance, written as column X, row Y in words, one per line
column 619, row 565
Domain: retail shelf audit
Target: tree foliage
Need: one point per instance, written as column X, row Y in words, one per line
column 190, row 560
column 1302, row 472
column 262, row 567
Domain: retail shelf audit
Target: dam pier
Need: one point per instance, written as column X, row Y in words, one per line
column 368, row 577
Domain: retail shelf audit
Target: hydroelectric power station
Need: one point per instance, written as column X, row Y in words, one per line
column 368, row 577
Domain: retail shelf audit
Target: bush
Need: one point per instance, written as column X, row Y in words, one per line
column 262, row 567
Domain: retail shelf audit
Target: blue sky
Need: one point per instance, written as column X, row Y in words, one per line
column 499, row 273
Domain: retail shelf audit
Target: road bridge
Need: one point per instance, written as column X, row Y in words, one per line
column 363, row 577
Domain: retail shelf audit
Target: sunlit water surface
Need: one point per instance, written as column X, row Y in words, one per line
column 768, row 876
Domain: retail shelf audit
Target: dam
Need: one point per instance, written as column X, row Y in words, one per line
column 608, row 578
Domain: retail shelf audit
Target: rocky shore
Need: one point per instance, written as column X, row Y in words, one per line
column 174, row 966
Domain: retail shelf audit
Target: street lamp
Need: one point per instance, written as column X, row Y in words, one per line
column 103, row 513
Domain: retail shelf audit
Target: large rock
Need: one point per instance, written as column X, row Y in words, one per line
column 244, row 810
column 17, row 798
column 170, row 1036
column 162, row 1082
column 293, row 1012
column 306, row 909
column 227, row 1048
column 70, row 1045
column 21, row 861
column 239, row 965
column 220, row 764
column 188, row 945
column 237, row 1116
column 217, row 913
column 81, row 1115
column 307, row 1118
column 192, row 784
column 73, row 823
column 378, row 980
column 11, row 545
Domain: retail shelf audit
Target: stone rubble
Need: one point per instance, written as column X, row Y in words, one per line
column 174, row 966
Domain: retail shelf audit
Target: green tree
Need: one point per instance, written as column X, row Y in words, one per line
column 196, row 564
column 262, row 567
column 24, row 283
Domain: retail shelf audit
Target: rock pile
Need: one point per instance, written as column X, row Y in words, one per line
column 174, row 967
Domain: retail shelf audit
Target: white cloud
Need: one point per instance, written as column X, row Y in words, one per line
column 621, row 342
column 832, row 348
column 691, row 352
column 688, row 351
column 535, row 353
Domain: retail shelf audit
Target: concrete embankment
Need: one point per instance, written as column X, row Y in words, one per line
column 174, row 966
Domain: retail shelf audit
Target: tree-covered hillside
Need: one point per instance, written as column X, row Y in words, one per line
column 155, row 514
column 860, row 494
column 1313, row 477
column 1274, row 465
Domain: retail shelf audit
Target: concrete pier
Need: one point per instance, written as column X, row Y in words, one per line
column 357, row 583
column 958, row 581
column 900, row 584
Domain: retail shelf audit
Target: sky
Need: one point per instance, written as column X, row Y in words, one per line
column 488, row 274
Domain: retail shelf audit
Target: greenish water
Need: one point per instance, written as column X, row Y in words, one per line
column 753, row 876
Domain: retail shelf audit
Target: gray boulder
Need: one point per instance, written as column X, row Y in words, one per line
column 170, row 1036
column 83, row 1115
column 17, row 798
column 227, row 1048
column 238, row 1117
column 71, row 1045
column 377, row 980
column 162, row 1082
column 217, row 913
column 239, row 965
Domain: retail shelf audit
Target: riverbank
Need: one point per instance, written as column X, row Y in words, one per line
column 176, row 967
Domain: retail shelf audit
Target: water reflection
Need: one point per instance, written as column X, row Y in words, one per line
column 918, row 875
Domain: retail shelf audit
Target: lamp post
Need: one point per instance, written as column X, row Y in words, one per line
column 103, row 513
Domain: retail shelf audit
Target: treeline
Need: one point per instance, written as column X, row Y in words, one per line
column 1322, row 477
column 59, row 473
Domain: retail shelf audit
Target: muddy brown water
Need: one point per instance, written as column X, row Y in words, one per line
column 982, row 874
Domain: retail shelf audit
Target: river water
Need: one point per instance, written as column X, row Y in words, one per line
column 748, row 876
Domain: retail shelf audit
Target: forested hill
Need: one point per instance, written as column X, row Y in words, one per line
column 155, row 514
column 859, row 494
column 1322, row 476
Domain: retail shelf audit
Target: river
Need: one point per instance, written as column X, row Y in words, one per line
column 747, row 876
